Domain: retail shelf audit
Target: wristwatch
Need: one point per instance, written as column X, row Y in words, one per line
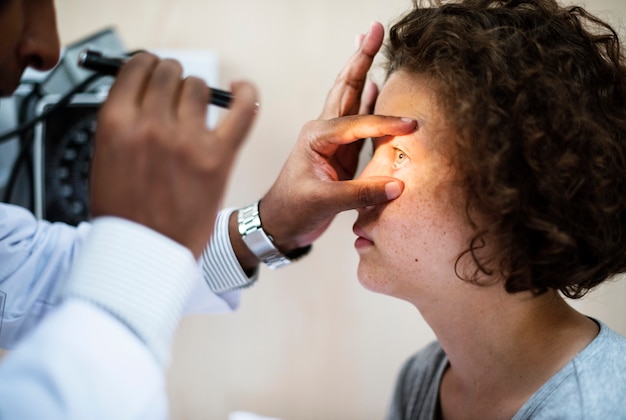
column 260, row 243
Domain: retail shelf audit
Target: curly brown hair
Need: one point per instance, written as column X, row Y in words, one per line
column 536, row 94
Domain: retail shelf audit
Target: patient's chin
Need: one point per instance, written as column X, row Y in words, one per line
column 373, row 281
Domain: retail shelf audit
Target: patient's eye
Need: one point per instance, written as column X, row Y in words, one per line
column 400, row 157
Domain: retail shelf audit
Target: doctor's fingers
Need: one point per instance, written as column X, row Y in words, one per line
column 344, row 97
column 325, row 136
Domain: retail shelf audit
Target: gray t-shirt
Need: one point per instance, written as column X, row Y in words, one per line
column 590, row 386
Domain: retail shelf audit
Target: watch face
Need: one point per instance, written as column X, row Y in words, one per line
column 67, row 144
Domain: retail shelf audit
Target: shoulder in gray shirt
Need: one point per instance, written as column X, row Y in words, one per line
column 591, row 386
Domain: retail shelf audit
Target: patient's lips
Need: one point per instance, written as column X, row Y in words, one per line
column 363, row 240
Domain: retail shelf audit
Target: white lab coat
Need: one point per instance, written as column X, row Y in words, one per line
column 73, row 359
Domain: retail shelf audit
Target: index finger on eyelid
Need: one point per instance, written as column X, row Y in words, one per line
column 345, row 130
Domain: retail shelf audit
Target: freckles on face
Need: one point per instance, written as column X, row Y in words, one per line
column 414, row 241
column 411, row 243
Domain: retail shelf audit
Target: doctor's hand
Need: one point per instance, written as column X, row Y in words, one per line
column 313, row 186
column 316, row 181
column 352, row 93
column 156, row 162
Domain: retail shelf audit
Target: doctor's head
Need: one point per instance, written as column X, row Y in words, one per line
column 28, row 38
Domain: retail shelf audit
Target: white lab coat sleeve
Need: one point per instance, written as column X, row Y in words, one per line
column 81, row 363
column 103, row 352
column 35, row 256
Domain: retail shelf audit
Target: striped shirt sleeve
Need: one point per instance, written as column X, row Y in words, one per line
column 220, row 267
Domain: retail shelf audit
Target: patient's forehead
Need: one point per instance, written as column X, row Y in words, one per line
column 412, row 95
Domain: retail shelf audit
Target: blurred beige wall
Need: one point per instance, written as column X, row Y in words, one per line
column 308, row 341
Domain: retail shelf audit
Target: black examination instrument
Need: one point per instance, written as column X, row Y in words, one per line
column 96, row 61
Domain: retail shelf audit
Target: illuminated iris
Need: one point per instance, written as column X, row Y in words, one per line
column 400, row 157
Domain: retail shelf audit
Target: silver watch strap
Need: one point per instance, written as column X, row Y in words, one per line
column 259, row 242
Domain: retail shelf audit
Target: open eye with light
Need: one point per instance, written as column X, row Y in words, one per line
column 400, row 156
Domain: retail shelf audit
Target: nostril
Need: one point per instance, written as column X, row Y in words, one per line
column 36, row 62
column 43, row 61
column 40, row 51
